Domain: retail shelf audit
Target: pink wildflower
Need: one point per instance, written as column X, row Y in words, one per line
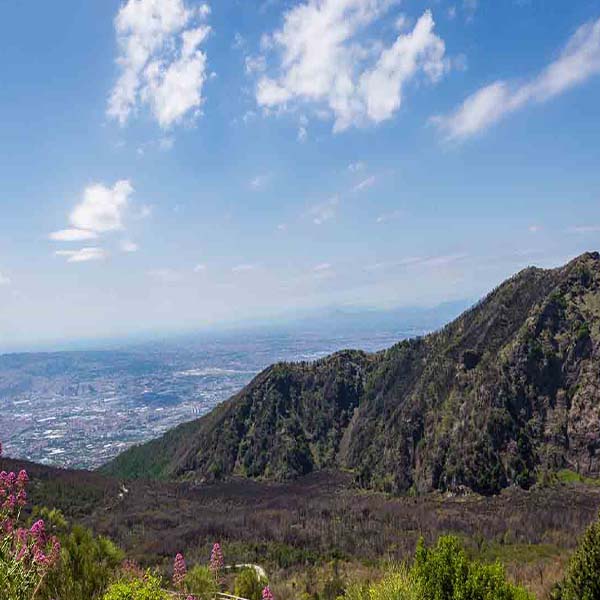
column 267, row 594
column 22, row 498
column 38, row 531
column 22, row 478
column 179, row 570
column 10, row 502
column 216, row 560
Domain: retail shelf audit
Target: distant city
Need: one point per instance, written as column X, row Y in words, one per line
column 80, row 409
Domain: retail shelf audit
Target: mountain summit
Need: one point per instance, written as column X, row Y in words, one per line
column 507, row 391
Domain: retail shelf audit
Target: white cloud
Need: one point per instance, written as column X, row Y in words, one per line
column 323, row 271
column 390, row 216
column 239, row 41
column 324, row 211
column 412, row 262
column 144, row 212
column 364, row 184
column 355, row 167
column 243, row 268
column 579, row 60
column 166, row 143
column 584, row 229
column 302, row 128
column 83, row 254
column 255, row 64
column 165, row 275
column 325, row 61
column 534, row 228
column 322, row 267
column 200, row 268
column 4, row 279
column 302, row 133
column 259, row 182
column 282, row 227
column 129, row 246
column 72, row 235
column 442, row 260
column 101, row 209
column 160, row 59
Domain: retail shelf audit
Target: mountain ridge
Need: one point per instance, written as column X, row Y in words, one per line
column 500, row 395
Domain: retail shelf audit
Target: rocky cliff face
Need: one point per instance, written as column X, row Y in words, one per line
column 506, row 391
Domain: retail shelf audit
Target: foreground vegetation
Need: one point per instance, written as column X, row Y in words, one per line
column 44, row 557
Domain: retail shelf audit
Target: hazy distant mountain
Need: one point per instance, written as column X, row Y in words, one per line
column 508, row 389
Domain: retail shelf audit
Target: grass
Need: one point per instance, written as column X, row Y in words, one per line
column 569, row 476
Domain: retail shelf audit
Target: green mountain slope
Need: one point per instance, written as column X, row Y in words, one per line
column 506, row 391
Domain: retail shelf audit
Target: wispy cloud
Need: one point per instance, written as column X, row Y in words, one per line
column 579, row 60
column 83, row 254
column 534, row 228
column 72, row 235
column 161, row 63
column 129, row 246
column 324, row 211
column 365, row 183
column 243, row 268
column 436, row 261
column 322, row 267
column 4, row 279
column 165, row 275
column 355, row 167
column 393, row 215
column 442, row 260
column 199, row 268
column 584, row 229
column 260, row 181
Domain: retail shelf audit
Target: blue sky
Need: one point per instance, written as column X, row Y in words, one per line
column 169, row 164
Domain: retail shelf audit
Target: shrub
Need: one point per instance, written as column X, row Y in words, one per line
column 400, row 585
column 582, row 579
column 443, row 572
column 87, row 563
column 249, row 585
column 147, row 588
column 26, row 554
column 200, row 582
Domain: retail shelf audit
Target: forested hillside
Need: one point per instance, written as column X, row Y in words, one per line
column 503, row 395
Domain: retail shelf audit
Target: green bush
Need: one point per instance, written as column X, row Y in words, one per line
column 200, row 582
column 400, row 585
column 87, row 563
column 148, row 588
column 582, row 579
column 443, row 572
column 249, row 585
